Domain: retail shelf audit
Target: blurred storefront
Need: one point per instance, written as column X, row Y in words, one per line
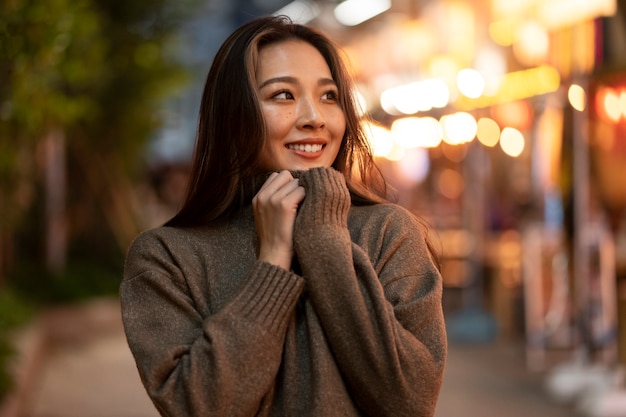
column 504, row 123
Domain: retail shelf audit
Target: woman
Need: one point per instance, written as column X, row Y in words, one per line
column 286, row 285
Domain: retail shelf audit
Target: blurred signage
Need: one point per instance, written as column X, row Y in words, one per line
column 553, row 14
column 517, row 85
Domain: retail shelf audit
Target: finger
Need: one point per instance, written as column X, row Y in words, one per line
column 276, row 180
column 276, row 188
column 294, row 191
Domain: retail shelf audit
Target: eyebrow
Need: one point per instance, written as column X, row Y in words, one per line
column 293, row 80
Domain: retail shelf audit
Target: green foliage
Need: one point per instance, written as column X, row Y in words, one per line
column 95, row 70
column 81, row 280
column 13, row 312
column 63, row 56
column 98, row 72
column 56, row 55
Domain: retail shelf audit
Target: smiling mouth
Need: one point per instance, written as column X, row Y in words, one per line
column 305, row 148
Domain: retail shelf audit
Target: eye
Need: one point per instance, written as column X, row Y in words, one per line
column 330, row 95
column 283, row 95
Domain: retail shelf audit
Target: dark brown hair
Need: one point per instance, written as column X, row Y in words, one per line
column 231, row 129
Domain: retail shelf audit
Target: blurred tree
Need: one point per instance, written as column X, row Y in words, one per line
column 82, row 83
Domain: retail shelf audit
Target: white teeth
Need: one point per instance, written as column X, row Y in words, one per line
column 305, row 148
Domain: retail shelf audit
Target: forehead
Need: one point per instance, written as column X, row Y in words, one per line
column 290, row 55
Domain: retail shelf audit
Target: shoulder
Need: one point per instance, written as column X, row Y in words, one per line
column 160, row 237
column 160, row 246
column 390, row 215
column 389, row 230
column 387, row 222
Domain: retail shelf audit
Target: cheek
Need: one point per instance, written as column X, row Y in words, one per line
column 339, row 125
column 277, row 122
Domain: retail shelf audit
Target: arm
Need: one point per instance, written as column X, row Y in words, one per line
column 193, row 364
column 382, row 316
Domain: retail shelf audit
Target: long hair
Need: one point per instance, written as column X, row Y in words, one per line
column 231, row 129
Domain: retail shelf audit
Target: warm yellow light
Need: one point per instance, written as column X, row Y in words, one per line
column 518, row 85
column 379, row 138
column 470, row 83
column 397, row 154
column 438, row 92
column 491, row 64
column 577, row 97
column 560, row 13
column 411, row 99
column 488, row 132
column 404, row 132
column 443, row 67
column 414, row 132
column 501, row 8
column 532, row 43
column 430, row 132
column 460, row 29
column 415, row 97
column 611, row 104
column 554, row 14
column 512, row 142
column 503, row 31
column 388, row 100
column 459, row 128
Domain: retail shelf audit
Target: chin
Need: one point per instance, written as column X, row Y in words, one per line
column 311, row 166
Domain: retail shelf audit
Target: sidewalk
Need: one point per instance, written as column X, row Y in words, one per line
column 84, row 367
column 491, row 381
column 88, row 371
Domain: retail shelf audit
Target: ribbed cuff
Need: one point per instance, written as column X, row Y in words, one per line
column 270, row 296
column 327, row 199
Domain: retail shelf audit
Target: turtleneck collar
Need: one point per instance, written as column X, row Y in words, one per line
column 253, row 185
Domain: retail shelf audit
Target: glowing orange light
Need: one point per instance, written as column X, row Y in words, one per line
column 610, row 103
column 518, row 114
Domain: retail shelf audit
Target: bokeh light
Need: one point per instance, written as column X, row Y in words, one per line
column 404, row 132
column 459, row 128
column 512, row 141
column 419, row 96
column 470, row 83
column 611, row 103
column 430, row 132
column 577, row 97
column 488, row 131
column 415, row 164
column 379, row 138
column 532, row 43
column 450, row 184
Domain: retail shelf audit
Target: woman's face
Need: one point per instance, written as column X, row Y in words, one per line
column 300, row 106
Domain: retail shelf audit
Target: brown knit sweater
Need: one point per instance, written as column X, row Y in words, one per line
column 355, row 330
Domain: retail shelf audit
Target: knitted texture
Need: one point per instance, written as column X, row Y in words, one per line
column 358, row 332
column 327, row 198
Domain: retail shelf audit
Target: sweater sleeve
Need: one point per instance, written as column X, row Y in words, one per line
column 382, row 317
column 193, row 365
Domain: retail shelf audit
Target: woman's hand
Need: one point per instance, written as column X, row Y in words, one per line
column 275, row 207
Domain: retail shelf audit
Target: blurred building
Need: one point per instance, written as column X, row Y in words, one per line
column 501, row 122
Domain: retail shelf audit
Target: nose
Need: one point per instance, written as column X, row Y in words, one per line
column 309, row 114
